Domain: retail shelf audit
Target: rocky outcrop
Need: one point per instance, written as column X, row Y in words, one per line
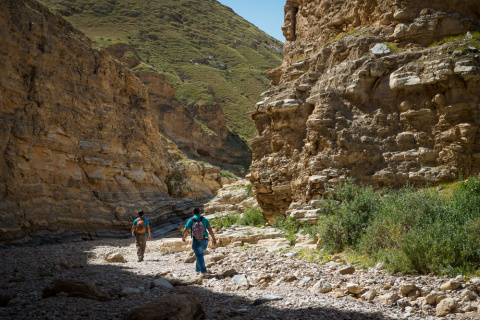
column 232, row 198
column 365, row 93
column 81, row 144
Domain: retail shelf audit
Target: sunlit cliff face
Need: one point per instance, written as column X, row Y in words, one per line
column 366, row 93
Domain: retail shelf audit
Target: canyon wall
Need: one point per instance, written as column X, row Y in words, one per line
column 81, row 143
column 373, row 91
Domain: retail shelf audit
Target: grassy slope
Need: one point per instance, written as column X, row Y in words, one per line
column 187, row 40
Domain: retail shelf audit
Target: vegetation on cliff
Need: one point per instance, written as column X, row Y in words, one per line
column 204, row 49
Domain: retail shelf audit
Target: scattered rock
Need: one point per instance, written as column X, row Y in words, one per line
column 347, row 270
column 241, row 281
column 353, row 288
column 450, row 285
column 266, row 299
column 390, row 297
column 467, row 295
column 229, row 273
column 322, row 286
column 446, row 306
column 406, row 288
column 115, row 257
column 130, row 291
column 380, row 266
column 184, row 281
column 370, row 294
column 305, row 280
column 431, row 298
column 161, row 282
column 191, row 258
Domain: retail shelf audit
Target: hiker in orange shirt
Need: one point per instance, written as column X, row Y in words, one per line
column 139, row 231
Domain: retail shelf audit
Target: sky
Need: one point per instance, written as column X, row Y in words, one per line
column 267, row 15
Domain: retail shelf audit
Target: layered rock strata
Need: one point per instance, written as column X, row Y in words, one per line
column 80, row 143
column 366, row 93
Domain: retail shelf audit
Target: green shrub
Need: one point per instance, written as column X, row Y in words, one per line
column 224, row 221
column 411, row 231
column 252, row 216
column 227, row 174
column 349, row 210
column 393, row 47
column 311, row 230
column 288, row 226
column 249, row 188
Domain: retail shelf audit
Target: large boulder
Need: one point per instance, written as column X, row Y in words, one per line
column 172, row 307
column 445, row 307
column 75, row 288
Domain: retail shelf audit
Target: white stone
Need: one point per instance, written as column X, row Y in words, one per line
column 370, row 294
column 161, row 282
column 390, row 297
column 322, row 286
column 353, row 288
column 115, row 257
column 380, row 49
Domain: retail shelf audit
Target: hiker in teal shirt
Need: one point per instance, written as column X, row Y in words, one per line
column 200, row 228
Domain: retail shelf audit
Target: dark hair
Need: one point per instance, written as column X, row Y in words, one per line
column 196, row 211
column 140, row 213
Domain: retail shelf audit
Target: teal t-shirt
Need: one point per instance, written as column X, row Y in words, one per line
column 205, row 223
column 146, row 224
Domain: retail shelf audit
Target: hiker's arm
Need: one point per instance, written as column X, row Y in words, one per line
column 133, row 230
column 210, row 231
column 149, row 234
column 184, row 234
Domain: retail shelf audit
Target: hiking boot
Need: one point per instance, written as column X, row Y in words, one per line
column 140, row 259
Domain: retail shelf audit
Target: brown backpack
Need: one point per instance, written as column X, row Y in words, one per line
column 140, row 226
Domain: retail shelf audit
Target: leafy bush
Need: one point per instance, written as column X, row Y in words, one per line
column 411, row 231
column 224, row 221
column 252, row 216
column 288, row 226
column 349, row 210
column 249, row 189
column 227, row 174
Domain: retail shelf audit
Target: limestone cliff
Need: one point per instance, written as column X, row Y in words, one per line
column 80, row 139
column 369, row 90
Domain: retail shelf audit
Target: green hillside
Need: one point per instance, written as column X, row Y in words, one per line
column 202, row 47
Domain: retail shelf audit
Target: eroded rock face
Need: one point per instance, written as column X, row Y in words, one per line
column 360, row 95
column 80, row 141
